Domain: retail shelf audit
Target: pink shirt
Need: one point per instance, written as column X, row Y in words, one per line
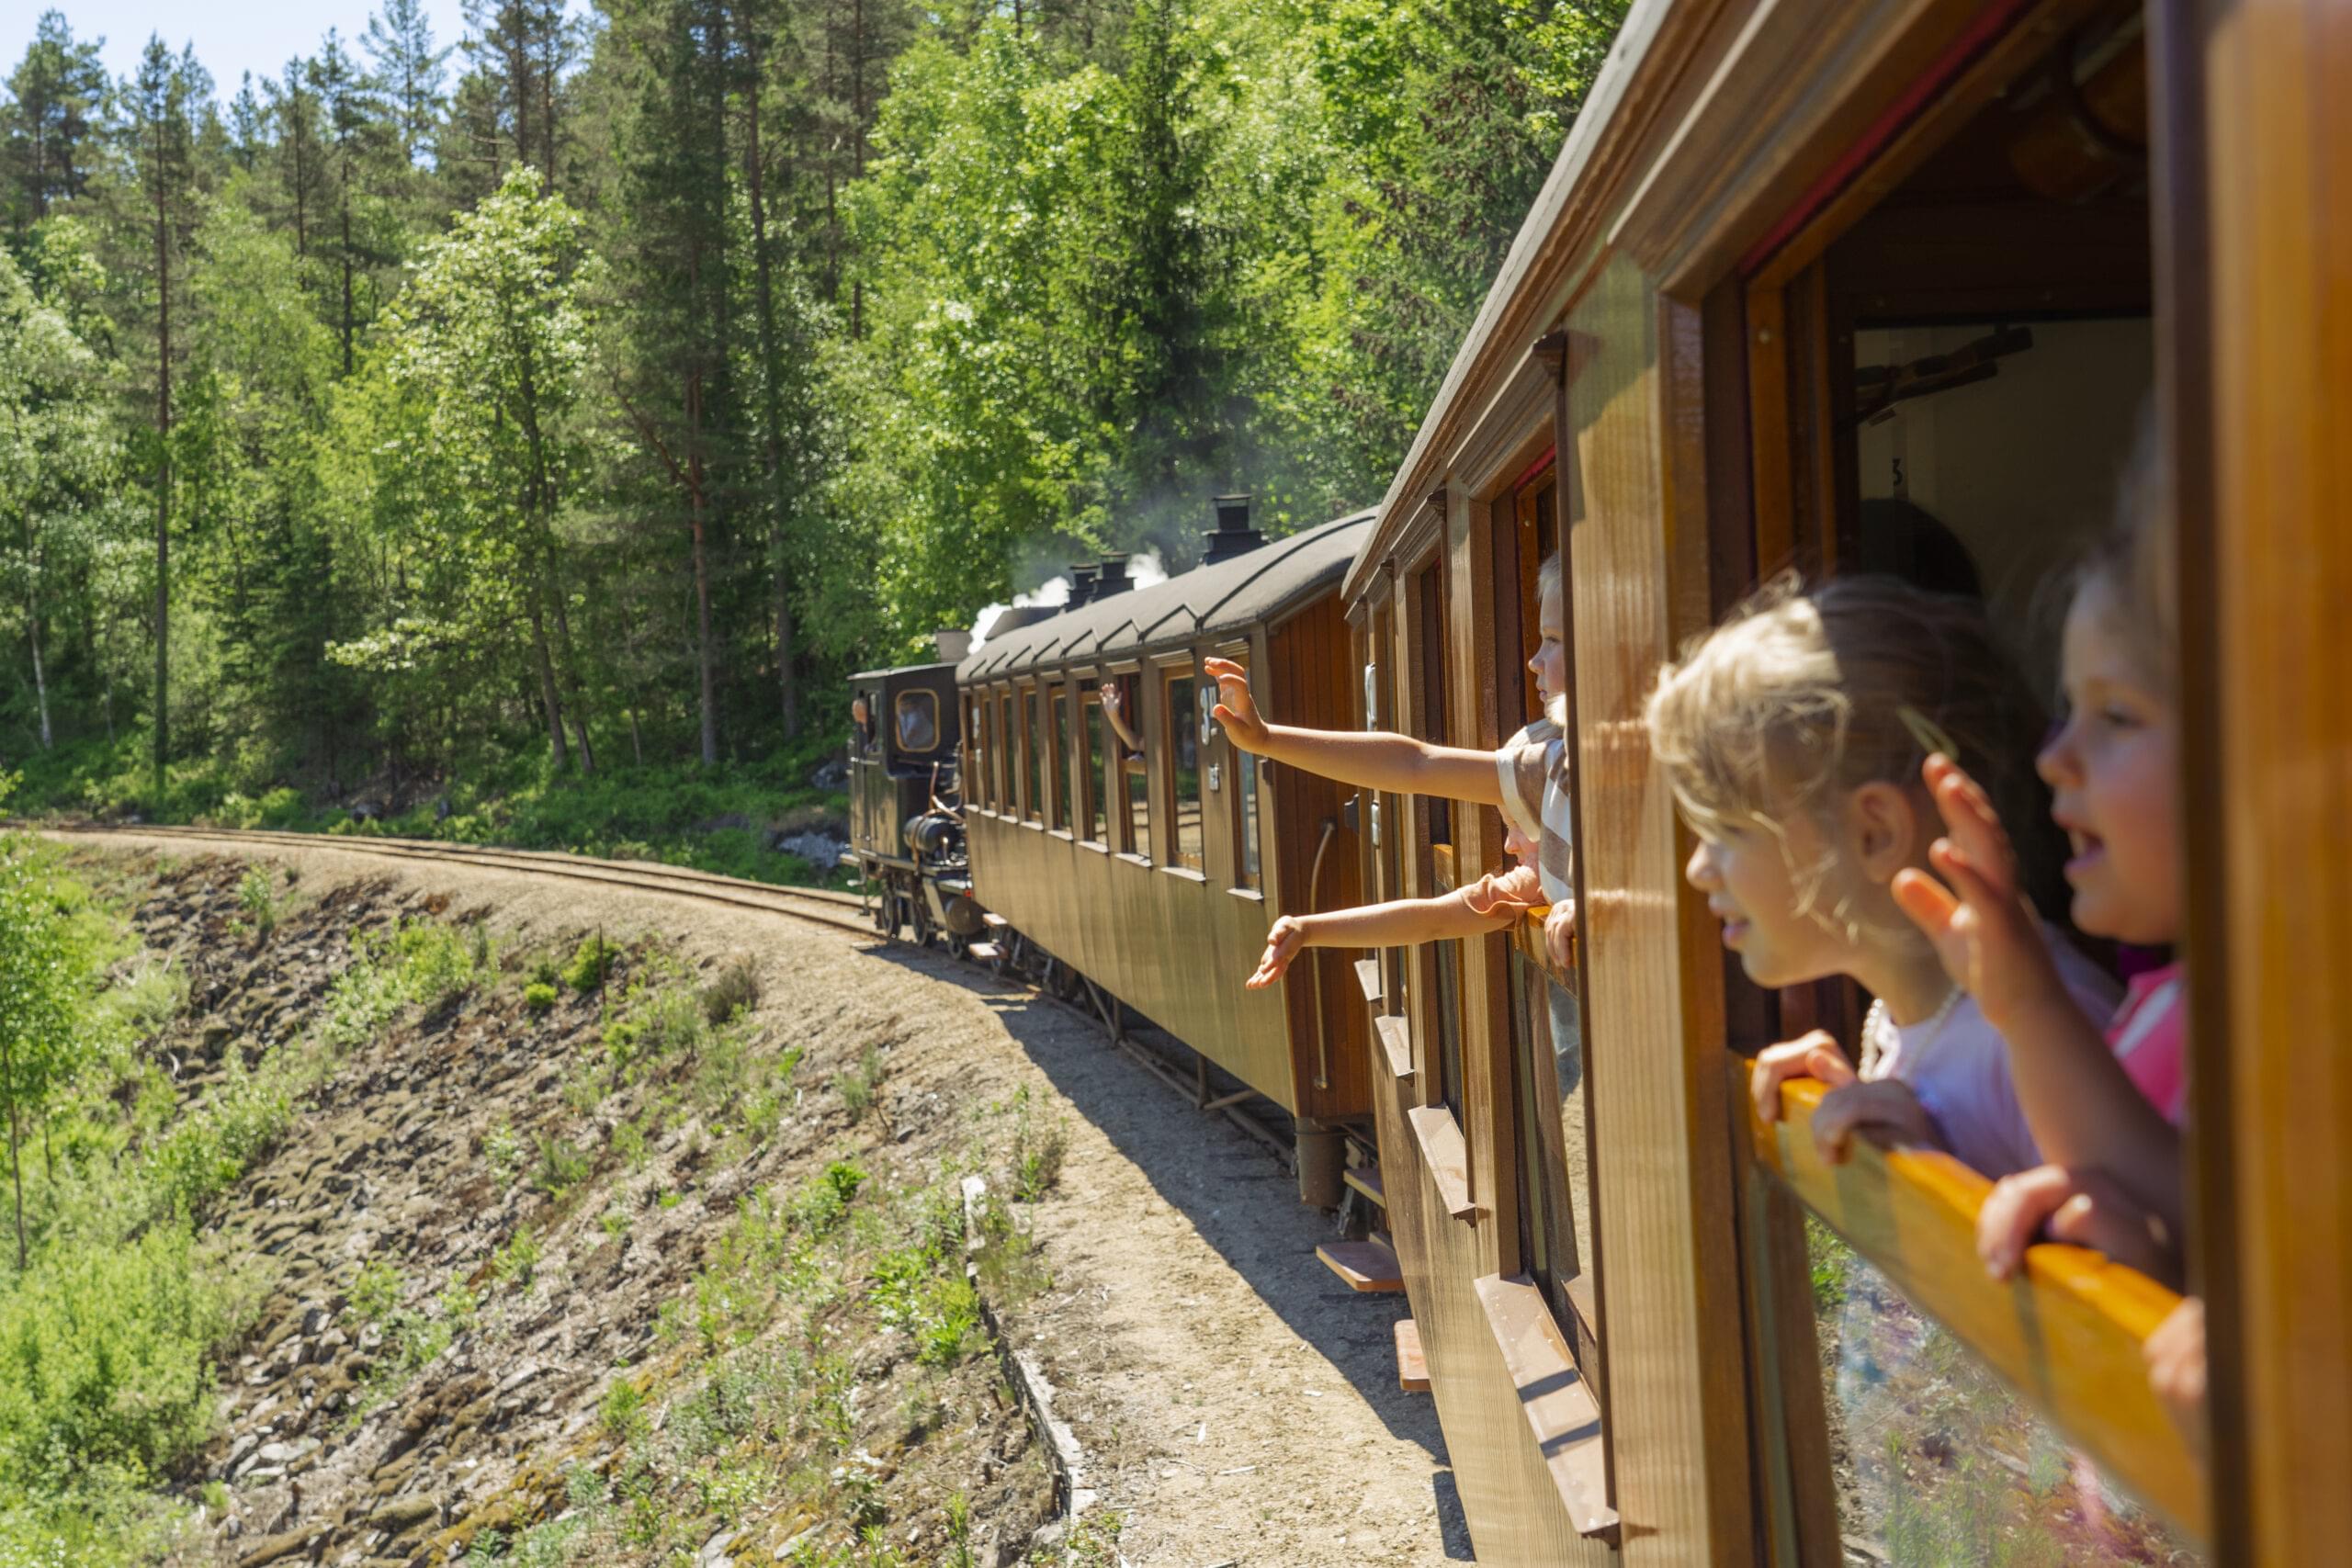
column 2150, row 1037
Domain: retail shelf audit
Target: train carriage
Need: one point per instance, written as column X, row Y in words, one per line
column 1875, row 286
column 1157, row 874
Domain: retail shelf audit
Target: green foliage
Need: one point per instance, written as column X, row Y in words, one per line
column 417, row 962
column 515, row 1263
column 257, row 896
column 539, row 997
column 375, row 1292
column 207, row 1150
column 623, row 1411
column 562, row 1167
column 592, row 962
column 734, row 989
column 858, row 1085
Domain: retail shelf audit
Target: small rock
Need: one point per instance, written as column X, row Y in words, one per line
column 714, row 1551
column 315, row 1319
column 405, row 1514
column 275, row 1548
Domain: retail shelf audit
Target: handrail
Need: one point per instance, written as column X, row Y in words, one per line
column 2065, row 1332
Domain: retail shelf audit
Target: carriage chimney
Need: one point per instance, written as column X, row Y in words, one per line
column 1112, row 577
column 1232, row 536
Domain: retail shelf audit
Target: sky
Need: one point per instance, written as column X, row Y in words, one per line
column 258, row 36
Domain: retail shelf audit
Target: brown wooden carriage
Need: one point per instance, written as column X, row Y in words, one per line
column 1157, row 880
column 1803, row 273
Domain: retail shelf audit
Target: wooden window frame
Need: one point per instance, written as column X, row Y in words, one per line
column 1133, row 697
column 1165, row 674
column 1245, row 805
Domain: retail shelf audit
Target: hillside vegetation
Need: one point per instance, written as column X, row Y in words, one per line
column 362, row 1228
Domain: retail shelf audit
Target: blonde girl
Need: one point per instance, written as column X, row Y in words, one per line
column 1793, row 736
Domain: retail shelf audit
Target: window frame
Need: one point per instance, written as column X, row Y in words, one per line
column 1244, row 802
column 1175, row 728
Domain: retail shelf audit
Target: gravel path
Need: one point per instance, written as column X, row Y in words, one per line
column 1237, row 1404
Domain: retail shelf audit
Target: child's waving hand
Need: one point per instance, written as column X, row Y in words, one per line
column 1235, row 709
column 1284, row 940
column 1985, row 930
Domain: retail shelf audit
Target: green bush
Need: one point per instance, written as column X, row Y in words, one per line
column 562, row 1167
column 257, row 896
column 539, row 999
column 109, row 1357
column 735, row 988
column 210, row 1148
column 590, row 966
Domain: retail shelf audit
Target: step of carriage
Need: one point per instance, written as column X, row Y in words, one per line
column 1366, row 1178
column 995, row 921
column 1368, row 1265
column 1412, row 1367
column 986, row 951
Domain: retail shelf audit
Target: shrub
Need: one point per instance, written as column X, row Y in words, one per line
column 592, row 963
column 562, row 1167
column 514, row 1263
column 109, row 1357
column 624, row 1411
column 857, row 1086
column 734, row 989
column 539, row 999
column 257, row 896
column 376, row 1292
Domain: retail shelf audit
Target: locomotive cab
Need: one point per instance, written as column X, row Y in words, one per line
column 906, row 810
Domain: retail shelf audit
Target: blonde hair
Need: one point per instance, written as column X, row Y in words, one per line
column 1805, row 694
column 2135, row 561
column 1547, row 576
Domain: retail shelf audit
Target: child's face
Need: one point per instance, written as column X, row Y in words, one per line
column 2113, row 769
column 1549, row 663
column 1747, row 874
column 1518, row 843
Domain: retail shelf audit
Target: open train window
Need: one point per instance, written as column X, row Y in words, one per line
column 917, row 723
column 1380, row 713
column 1135, row 797
column 1440, row 962
column 1180, row 688
column 1056, row 765
column 1094, row 771
column 1033, row 772
column 1963, row 370
column 1004, row 743
column 975, row 752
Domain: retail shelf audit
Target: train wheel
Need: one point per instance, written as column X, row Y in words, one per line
column 925, row 929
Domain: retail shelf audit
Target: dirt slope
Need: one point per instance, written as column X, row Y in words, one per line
column 1237, row 1405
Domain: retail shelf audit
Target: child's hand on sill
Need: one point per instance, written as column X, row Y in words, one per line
column 1813, row 1056
column 2081, row 1208
column 1886, row 1109
column 1560, row 935
column 1285, row 939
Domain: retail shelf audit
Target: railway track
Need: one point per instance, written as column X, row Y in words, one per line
column 839, row 911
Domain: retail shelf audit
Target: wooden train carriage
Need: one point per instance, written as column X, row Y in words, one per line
column 1837, row 284
column 1158, row 878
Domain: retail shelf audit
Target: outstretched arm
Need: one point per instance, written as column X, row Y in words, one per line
column 2085, row 1110
column 1403, row 922
column 1369, row 759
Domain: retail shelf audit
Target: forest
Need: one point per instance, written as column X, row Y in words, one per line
column 578, row 399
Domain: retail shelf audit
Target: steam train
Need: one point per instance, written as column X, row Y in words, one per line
column 1801, row 273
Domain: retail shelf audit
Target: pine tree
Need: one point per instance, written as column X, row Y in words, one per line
column 409, row 70
column 48, row 134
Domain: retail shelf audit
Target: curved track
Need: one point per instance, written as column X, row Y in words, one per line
column 839, row 911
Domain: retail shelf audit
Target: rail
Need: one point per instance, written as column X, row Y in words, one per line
column 1527, row 936
column 2065, row 1332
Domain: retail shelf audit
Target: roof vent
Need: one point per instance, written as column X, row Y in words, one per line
column 1232, row 536
column 1082, row 587
column 1018, row 616
column 954, row 646
column 1112, row 577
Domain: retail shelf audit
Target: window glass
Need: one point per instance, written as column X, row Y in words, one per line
column 1032, row 766
column 918, row 721
column 1245, row 806
column 1006, row 756
column 1098, row 825
column 1057, row 758
column 1946, row 1464
column 1555, row 1183
column 1185, row 769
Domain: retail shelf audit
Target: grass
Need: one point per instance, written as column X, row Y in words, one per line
column 719, row 819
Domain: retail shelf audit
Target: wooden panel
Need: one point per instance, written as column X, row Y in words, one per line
column 2274, row 1075
column 1562, row 1416
column 2066, row 1332
column 1669, row 1279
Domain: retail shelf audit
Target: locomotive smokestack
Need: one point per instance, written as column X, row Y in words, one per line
column 1112, row 577
column 1082, row 587
column 1232, row 536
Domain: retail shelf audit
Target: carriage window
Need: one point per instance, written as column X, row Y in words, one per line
column 1183, row 754
column 1380, row 714
column 969, row 773
column 918, row 725
column 1097, row 814
column 1008, row 757
column 1442, row 960
column 1137, row 796
column 1057, row 758
column 1555, row 1236
column 1033, row 771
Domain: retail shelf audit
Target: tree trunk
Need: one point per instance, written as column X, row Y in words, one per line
column 547, row 685
column 162, row 493
column 40, row 679
column 571, row 667
column 8, row 1076
column 787, row 689
column 635, row 741
column 346, row 269
column 702, row 571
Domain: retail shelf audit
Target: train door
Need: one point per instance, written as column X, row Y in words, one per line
column 1949, row 361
